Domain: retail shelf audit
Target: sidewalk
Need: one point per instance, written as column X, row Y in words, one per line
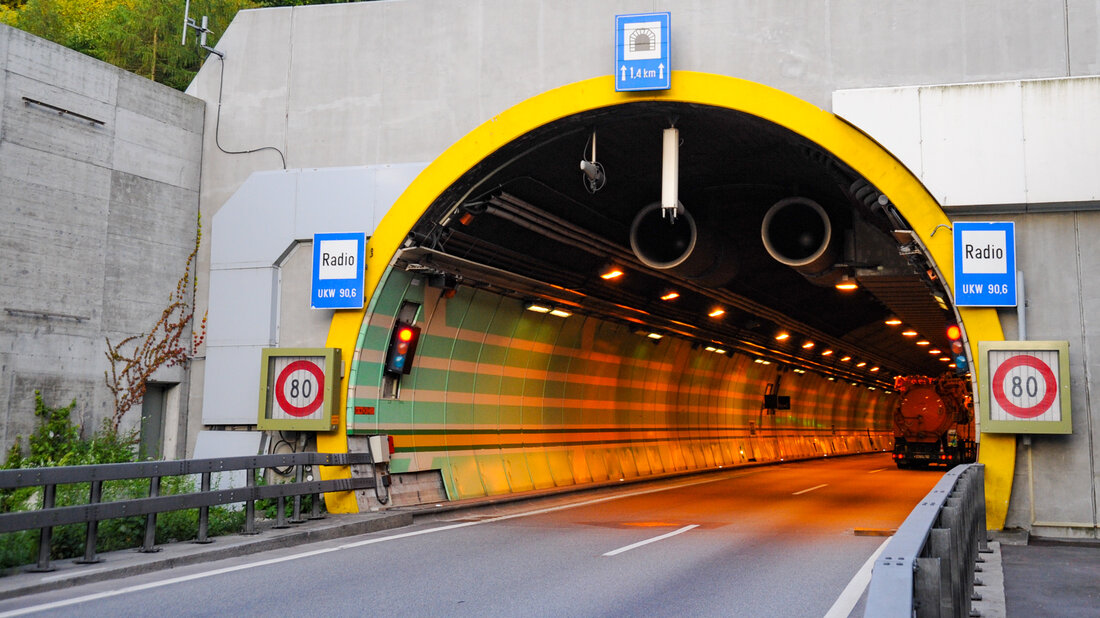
column 127, row 562
column 1050, row 577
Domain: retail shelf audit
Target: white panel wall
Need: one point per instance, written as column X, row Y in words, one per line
column 1024, row 142
column 249, row 234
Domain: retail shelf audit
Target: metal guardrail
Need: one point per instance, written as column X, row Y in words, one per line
column 928, row 568
column 96, row 511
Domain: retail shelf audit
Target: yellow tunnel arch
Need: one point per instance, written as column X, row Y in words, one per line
column 832, row 133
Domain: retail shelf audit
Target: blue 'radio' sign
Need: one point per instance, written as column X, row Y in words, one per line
column 985, row 263
column 642, row 52
column 338, row 269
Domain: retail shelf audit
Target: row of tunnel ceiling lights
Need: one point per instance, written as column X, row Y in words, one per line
column 610, row 272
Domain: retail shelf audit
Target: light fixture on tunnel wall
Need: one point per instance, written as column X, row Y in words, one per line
column 924, row 342
column 610, row 272
column 826, row 352
column 782, row 336
column 845, row 359
column 670, row 173
column 893, row 321
column 594, row 175
column 909, row 333
column 561, row 313
column 670, row 295
column 538, row 307
column 847, row 283
column 716, row 312
column 654, row 336
column 874, row 369
column 945, row 359
column 934, row 351
column 808, row 345
column 861, row 364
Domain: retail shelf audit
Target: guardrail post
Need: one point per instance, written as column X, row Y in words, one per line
column 250, row 503
column 940, row 546
column 204, row 512
column 297, row 518
column 148, row 546
column 92, row 531
column 926, row 588
column 48, row 494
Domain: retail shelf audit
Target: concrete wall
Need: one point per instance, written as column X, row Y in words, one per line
column 400, row 80
column 98, row 219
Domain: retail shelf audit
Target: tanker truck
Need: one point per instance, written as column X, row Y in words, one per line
column 933, row 422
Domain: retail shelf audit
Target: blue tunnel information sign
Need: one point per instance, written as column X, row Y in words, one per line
column 985, row 263
column 338, row 271
column 642, row 52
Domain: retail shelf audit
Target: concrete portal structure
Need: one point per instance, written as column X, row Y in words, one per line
column 894, row 119
column 99, row 195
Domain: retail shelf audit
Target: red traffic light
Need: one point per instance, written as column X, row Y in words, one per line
column 954, row 332
column 399, row 355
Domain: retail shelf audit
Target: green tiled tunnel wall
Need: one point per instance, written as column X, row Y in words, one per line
column 505, row 400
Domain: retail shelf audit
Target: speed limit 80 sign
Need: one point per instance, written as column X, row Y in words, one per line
column 1024, row 387
column 298, row 389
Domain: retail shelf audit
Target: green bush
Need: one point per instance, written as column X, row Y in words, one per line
column 57, row 442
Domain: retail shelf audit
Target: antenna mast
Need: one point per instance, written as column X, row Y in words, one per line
column 188, row 22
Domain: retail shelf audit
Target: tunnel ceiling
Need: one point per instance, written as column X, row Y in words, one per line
column 524, row 222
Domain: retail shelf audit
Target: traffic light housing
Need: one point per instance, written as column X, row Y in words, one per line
column 402, row 348
column 958, row 353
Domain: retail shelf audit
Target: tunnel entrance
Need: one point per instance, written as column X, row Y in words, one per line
column 772, row 222
column 677, row 345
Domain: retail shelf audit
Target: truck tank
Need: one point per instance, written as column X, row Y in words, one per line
column 933, row 422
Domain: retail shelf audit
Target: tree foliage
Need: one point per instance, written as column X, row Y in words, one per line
column 140, row 36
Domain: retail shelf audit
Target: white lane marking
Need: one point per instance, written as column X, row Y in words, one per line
column 806, row 491
column 847, row 600
column 241, row 567
column 616, row 552
column 876, row 470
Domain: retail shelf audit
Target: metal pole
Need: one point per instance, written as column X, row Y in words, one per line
column 93, row 527
column 48, row 494
column 298, row 478
column 1021, row 306
column 250, row 504
column 204, row 512
column 147, row 547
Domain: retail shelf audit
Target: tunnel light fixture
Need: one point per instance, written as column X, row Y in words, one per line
column 761, row 361
column 893, row 321
column 719, row 351
column 670, row 295
column 799, row 370
column 924, row 342
column 654, row 336
column 561, row 313
column 539, row 307
column 710, row 348
column 934, row 351
column 870, row 388
column 945, row 359
column 861, row 364
column 831, row 379
column 909, row 333
column 717, row 312
column 826, row 352
column 874, row 369
column 782, row 336
column 846, row 283
column 808, row 345
column 845, row 359
column 952, row 365
column 610, row 272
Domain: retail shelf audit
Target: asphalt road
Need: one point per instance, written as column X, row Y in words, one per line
column 770, row 541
